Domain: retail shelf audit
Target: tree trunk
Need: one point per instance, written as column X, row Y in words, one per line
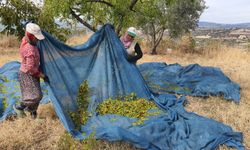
column 153, row 50
column 119, row 26
column 156, row 41
column 77, row 17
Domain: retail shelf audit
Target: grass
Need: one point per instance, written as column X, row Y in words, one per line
column 26, row 133
column 8, row 48
column 75, row 40
column 235, row 63
column 8, row 41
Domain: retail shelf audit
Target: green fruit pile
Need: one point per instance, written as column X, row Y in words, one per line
column 4, row 91
column 129, row 106
column 5, row 103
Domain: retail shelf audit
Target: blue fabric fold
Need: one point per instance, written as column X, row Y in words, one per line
column 192, row 80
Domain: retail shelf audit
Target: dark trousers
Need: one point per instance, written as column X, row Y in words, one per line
column 30, row 91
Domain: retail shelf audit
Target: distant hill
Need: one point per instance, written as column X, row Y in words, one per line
column 212, row 25
column 201, row 24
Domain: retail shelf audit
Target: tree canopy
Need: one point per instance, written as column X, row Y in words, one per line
column 14, row 14
column 152, row 16
column 91, row 13
column 175, row 16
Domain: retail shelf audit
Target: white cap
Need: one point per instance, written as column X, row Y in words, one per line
column 132, row 31
column 34, row 29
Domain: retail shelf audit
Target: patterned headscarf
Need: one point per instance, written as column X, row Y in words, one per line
column 126, row 40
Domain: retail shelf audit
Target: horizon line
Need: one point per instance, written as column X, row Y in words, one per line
column 222, row 23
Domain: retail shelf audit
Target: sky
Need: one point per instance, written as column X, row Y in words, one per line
column 227, row 11
column 223, row 11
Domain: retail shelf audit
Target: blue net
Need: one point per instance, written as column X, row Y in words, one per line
column 102, row 61
column 189, row 80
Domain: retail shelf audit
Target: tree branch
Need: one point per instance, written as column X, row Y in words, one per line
column 102, row 1
column 119, row 26
column 73, row 13
column 158, row 40
column 130, row 7
column 132, row 4
column 75, row 9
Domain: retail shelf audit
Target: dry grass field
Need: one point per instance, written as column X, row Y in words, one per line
column 45, row 132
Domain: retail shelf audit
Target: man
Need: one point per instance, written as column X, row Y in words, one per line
column 133, row 48
column 30, row 74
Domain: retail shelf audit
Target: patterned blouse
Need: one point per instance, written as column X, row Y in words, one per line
column 30, row 58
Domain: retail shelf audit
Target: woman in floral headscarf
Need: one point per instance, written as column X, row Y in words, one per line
column 30, row 73
column 131, row 45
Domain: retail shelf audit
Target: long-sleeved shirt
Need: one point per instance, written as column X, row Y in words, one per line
column 138, row 54
column 30, row 58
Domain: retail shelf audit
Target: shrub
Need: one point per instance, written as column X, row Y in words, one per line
column 67, row 142
column 210, row 47
column 3, row 91
column 187, row 44
column 166, row 45
column 80, row 115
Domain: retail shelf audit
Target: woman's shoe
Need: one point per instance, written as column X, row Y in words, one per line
column 33, row 114
column 19, row 110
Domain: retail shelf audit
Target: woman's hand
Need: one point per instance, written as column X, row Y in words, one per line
column 45, row 78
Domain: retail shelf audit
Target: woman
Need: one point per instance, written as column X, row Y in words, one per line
column 30, row 74
column 131, row 45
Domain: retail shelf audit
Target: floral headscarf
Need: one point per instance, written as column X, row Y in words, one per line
column 126, row 40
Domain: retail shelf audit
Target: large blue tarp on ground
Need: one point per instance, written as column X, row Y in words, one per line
column 102, row 62
column 192, row 80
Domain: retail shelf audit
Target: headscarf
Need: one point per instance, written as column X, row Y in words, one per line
column 126, row 40
column 30, row 36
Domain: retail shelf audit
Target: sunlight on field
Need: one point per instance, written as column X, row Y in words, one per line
column 235, row 63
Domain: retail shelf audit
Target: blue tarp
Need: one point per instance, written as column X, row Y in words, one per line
column 102, row 62
column 189, row 80
column 10, row 89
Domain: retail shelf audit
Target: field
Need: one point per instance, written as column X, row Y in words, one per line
column 45, row 132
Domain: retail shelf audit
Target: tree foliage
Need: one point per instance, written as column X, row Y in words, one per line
column 184, row 16
column 154, row 17
column 176, row 16
column 91, row 13
column 153, row 20
column 14, row 13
